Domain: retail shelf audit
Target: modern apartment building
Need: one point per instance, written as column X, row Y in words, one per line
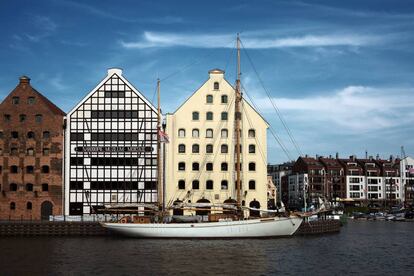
column 407, row 179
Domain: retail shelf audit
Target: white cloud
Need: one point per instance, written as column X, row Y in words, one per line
column 353, row 109
column 250, row 40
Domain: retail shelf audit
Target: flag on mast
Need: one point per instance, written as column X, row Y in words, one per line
column 163, row 136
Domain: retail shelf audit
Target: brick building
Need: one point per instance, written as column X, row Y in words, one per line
column 31, row 144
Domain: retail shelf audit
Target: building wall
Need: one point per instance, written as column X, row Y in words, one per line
column 182, row 119
column 407, row 179
column 45, row 148
column 111, row 149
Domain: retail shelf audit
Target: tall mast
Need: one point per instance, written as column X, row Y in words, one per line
column 237, row 128
column 159, row 167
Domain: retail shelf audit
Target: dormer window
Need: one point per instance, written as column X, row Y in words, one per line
column 216, row 86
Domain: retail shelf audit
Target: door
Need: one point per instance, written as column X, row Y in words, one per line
column 46, row 210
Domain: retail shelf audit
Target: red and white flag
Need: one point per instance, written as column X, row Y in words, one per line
column 411, row 171
column 163, row 136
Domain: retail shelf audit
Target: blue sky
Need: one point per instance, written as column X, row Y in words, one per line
column 340, row 72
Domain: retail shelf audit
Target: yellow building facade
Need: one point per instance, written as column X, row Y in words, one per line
column 200, row 158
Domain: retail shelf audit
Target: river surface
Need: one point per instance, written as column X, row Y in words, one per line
column 361, row 248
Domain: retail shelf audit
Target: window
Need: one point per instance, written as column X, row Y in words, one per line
column 224, row 116
column 181, row 166
column 181, row 133
column 30, row 100
column 224, row 166
column 209, row 99
column 46, row 135
column 22, row 117
column 216, row 85
column 1, row 134
column 14, row 151
column 46, row 151
column 45, row 187
column 38, row 118
column 30, row 135
column 29, row 205
column 29, row 187
column 224, row 185
column 30, row 151
column 196, row 184
column 15, row 100
column 209, row 133
column 196, row 166
column 196, row 133
column 29, row 169
column 209, row 148
column 7, row 117
column 209, row 167
column 196, row 116
column 252, row 133
column 14, row 169
column 224, row 99
column 181, row 148
column 45, row 169
column 181, row 184
column 224, row 148
column 252, row 166
column 252, row 149
column 13, row 187
column 12, row 206
column 224, row 133
column 252, row 185
column 195, row 148
column 14, row 134
column 209, row 185
column 209, row 116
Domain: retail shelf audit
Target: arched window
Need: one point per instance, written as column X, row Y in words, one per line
column 209, row 99
column 224, row 166
column 181, row 166
column 209, row 116
column 181, row 148
column 29, row 205
column 22, row 117
column 209, row 166
column 209, row 133
column 203, row 211
column 46, row 134
column 13, row 187
column 252, row 148
column 12, row 206
column 29, row 187
column 30, row 135
column 38, row 118
column 181, row 184
column 45, row 169
column 252, row 166
column 224, row 99
column 224, row 133
column 254, row 204
column 14, row 169
column 252, row 185
column 14, row 134
column 224, row 116
column 195, row 148
column 196, row 116
column 252, row 133
column 45, row 187
column 196, row 166
column 224, row 148
column 30, row 151
column 209, row 185
column 224, row 184
column 216, row 86
column 181, row 133
column 196, row 184
column 209, row 148
column 196, row 133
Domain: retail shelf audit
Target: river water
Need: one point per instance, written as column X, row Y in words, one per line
column 362, row 248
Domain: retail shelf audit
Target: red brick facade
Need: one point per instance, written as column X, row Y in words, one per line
column 31, row 145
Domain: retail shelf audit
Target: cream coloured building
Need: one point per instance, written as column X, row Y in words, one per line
column 200, row 158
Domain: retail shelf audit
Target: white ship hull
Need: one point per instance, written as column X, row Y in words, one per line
column 253, row 228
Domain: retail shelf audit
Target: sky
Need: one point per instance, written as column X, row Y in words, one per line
column 338, row 73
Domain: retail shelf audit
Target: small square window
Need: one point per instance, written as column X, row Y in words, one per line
column 7, row 117
column 31, row 100
column 38, row 118
column 15, row 100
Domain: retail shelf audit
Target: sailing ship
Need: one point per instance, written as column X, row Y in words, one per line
column 228, row 224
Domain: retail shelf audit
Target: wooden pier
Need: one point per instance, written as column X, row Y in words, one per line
column 318, row 227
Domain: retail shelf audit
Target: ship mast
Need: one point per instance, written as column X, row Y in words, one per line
column 159, row 167
column 237, row 128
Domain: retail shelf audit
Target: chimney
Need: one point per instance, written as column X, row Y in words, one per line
column 24, row 80
column 112, row 71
